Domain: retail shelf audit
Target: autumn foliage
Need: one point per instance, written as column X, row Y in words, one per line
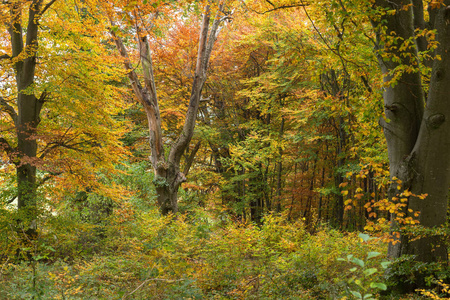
column 211, row 150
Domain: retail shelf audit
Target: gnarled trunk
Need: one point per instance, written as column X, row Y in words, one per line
column 168, row 176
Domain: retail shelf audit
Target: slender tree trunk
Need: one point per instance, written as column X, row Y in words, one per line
column 26, row 118
column 279, row 169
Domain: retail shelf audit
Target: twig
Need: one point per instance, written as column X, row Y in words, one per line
column 151, row 279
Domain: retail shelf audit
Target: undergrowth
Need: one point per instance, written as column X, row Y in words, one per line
column 141, row 255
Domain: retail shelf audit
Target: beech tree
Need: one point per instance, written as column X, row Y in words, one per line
column 168, row 173
column 26, row 118
column 417, row 111
column 50, row 84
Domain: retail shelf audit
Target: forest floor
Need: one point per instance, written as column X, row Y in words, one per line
column 196, row 256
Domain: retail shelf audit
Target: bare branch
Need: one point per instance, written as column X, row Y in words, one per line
column 274, row 7
column 204, row 53
column 6, row 146
column 150, row 279
column 132, row 76
column 190, row 159
column 11, row 200
column 212, row 39
column 48, row 177
column 47, row 7
column 146, row 95
column 202, row 43
column 147, row 66
column 9, row 109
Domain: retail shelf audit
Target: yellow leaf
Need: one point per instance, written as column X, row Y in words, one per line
column 359, row 196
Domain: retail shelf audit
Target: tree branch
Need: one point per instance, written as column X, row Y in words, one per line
column 6, row 146
column 48, row 177
column 147, row 66
column 15, row 32
column 47, row 7
column 204, row 53
column 147, row 280
column 274, row 7
column 9, row 109
column 132, row 76
column 11, row 200
column 190, row 159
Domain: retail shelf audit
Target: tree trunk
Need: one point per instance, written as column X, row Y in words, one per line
column 168, row 176
column 24, row 46
column 26, row 119
column 168, row 195
column 417, row 136
column 429, row 162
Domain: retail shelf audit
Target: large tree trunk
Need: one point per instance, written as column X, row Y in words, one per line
column 168, row 176
column 167, row 183
column 418, row 136
column 429, row 162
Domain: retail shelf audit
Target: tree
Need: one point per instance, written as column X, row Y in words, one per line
column 417, row 130
column 24, row 47
column 48, row 132
column 168, row 175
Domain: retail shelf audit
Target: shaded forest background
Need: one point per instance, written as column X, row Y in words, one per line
column 287, row 165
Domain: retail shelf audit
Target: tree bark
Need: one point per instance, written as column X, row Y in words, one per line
column 417, row 135
column 168, row 176
column 26, row 117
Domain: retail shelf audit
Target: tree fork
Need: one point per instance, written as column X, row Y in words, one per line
column 168, row 176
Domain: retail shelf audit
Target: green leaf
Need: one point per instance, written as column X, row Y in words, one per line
column 370, row 271
column 378, row 285
column 368, row 297
column 356, row 294
column 385, row 264
column 353, row 269
column 358, row 262
column 364, row 237
column 373, row 254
